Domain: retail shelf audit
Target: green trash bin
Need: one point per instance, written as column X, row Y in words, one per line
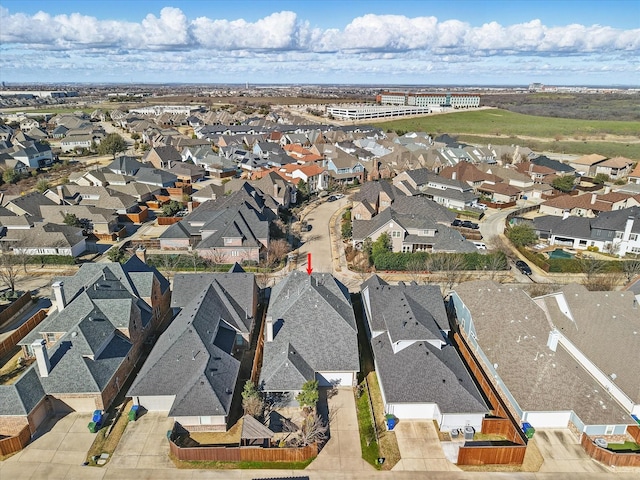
column 133, row 413
column 93, row 427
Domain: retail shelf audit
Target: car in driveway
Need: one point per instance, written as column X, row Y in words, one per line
column 469, row 224
column 456, row 223
column 523, row 267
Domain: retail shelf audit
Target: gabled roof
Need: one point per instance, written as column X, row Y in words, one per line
column 314, row 331
column 187, row 362
column 428, row 370
column 253, row 429
column 235, row 290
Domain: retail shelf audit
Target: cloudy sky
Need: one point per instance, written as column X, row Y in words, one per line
column 468, row 42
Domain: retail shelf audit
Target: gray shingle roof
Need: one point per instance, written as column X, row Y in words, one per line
column 187, row 363
column 21, row 397
column 421, row 372
column 314, row 331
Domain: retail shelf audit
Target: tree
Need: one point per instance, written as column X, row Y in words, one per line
column 381, row 245
column 564, row 183
column 313, row 430
column 506, row 159
column 115, row 254
column 171, row 208
column 303, row 191
column 276, row 251
column 346, row 227
column 10, row 176
column 9, row 267
column 522, row 235
column 112, row 144
column 308, row 396
column 252, row 401
column 42, row 185
column 601, row 178
column 135, row 136
column 73, row 221
column 631, row 268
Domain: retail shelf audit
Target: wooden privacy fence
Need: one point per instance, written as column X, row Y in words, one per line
column 15, row 307
column 15, row 443
column 607, row 456
column 244, row 454
column 634, row 431
column 478, row 454
column 12, row 340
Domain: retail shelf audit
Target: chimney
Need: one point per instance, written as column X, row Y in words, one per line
column 607, row 189
column 269, row 329
column 190, row 206
column 60, row 192
column 454, row 175
column 594, row 197
column 59, row 296
column 42, row 357
column 628, row 227
column 141, row 253
column 565, row 214
column 552, row 342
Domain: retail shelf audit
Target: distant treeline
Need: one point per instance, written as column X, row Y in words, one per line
column 564, row 105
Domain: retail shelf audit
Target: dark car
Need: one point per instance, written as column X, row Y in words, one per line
column 468, row 224
column 332, row 198
column 456, row 223
column 523, row 267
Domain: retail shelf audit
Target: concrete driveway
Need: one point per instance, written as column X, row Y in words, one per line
column 58, row 445
column 144, row 443
column 562, row 452
column 420, row 448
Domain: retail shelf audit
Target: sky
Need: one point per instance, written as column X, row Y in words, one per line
column 391, row 42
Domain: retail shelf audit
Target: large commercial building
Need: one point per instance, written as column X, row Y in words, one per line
column 453, row 100
column 363, row 112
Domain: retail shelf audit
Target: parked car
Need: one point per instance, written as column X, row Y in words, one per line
column 480, row 245
column 523, row 267
column 481, row 206
column 469, row 224
column 456, row 223
column 332, row 198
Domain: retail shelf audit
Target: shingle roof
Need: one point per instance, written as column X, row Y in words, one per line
column 314, row 331
column 187, row 363
column 512, row 331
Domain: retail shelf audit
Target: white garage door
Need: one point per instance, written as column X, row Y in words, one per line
column 548, row 419
column 156, row 403
column 75, row 404
column 413, row 411
column 337, row 379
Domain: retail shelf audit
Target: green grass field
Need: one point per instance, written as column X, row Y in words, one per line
column 505, row 123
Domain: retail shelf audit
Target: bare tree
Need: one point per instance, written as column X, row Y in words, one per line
column 168, row 263
column 597, row 278
column 631, row 268
column 451, row 266
column 415, row 267
column 9, row 270
column 276, row 251
column 312, row 430
column 217, row 256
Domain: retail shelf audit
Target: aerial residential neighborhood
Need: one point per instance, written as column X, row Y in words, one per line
column 284, row 240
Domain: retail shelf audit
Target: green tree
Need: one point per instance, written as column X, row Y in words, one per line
column 171, row 208
column 346, row 227
column 135, row 136
column 112, row 144
column 601, row 178
column 116, row 255
column 303, row 191
column 564, row 183
column 73, row 221
column 42, row 185
column 308, row 396
column 10, row 176
column 522, row 235
column 381, row 245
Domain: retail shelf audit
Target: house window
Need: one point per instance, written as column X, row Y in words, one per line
column 51, row 338
column 395, row 234
column 609, row 430
column 618, row 235
column 235, row 253
column 633, row 237
column 205, row 420
column 228, row 240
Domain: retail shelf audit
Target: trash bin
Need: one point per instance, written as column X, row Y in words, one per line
column 528, row 430
column 97, row 416
column 133, row 413
column 93, row 427
column 391, row 423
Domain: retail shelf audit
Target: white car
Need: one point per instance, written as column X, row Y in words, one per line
column 481, row 206
column 480, row 245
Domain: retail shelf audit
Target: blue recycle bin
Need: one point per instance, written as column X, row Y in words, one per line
column 391, row 423
column 97, row 416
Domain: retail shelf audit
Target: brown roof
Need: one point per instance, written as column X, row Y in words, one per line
column 589, row 159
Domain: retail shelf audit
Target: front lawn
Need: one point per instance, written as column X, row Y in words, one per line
column 370, row 449
column 241, row 465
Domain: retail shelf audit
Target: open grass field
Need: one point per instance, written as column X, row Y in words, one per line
column 504, row 123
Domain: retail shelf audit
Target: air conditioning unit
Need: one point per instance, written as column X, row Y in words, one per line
column 469, row 431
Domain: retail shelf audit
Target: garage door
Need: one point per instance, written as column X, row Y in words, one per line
column 338, row 379
column 160, row 403
column 75, row 404
column 548, row 419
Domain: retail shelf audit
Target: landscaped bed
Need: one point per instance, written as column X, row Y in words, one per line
column 626, row 446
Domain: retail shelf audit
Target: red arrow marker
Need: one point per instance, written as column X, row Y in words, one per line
column 309, row 269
